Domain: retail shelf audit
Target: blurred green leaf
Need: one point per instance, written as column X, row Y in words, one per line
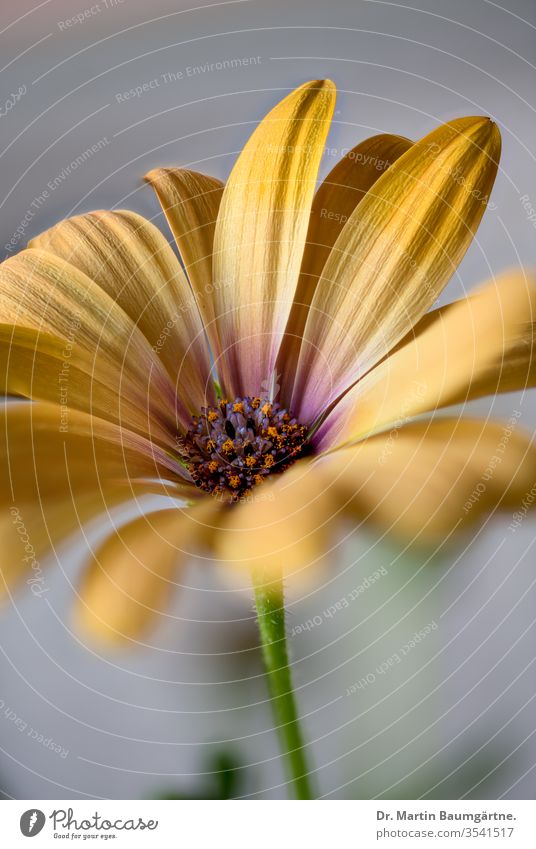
column 224, row 781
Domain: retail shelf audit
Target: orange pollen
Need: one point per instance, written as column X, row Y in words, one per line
column 235, row 445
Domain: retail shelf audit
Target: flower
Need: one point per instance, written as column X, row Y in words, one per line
column 288, row 372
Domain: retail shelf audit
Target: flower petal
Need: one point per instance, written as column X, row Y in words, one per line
column 282, row 525
column 131, row 577
column 39, row 366
column 393, row 258
column 446, row 361
column 261, row 231
column 430, row 478
column 49, row 452
column 130, row 259
column 513, row 372
column 42, row 292
column 191, row 201
column 337, row 197
column 31, row 531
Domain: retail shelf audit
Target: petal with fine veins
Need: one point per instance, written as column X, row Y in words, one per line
column 458, row 347
column 191, row 201
column 261, row 231
column 130, row 259
column 40, row 291
column 337, row 197
column 47, row 452
column 433, row 477
column 35, row 365
column 514, row 371
column 394, row 256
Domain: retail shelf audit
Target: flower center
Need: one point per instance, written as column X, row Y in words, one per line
column 233, row 447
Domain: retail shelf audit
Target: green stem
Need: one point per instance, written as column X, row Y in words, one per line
column 269, row 600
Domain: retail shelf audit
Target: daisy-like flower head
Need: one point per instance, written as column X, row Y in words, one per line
column 284, row 374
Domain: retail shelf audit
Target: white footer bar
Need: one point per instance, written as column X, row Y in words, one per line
column 268, row 824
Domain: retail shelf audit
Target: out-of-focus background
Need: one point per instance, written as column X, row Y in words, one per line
column 456, row 718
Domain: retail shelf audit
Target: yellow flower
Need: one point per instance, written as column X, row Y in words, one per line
column 321, row 295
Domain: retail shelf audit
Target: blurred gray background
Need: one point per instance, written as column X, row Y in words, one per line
column 457, row 717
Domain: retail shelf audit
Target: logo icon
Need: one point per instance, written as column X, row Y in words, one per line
column 31, row 822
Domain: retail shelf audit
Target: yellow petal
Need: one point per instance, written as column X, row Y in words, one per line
column 428, row 479
column 130, row 259
column 40, row 291
column 40, row 366
column 261, row 231
column 337, row 197
column 46, row 452
column 394, row 256
column 31, row 532
column 512, row 372
column 191, row 201
column 457, row 347
column 132, row 576
column 282, row 525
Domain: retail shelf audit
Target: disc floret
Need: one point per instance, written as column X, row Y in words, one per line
column 236, row 445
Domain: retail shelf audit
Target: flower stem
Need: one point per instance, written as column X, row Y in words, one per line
column 269, row 601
